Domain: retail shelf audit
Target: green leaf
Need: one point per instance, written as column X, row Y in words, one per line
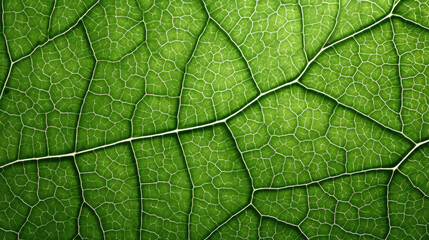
column 201, row 119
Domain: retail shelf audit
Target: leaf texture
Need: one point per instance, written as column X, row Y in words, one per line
column 201, row 119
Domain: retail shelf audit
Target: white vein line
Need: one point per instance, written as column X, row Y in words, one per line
column 185, row 72
column 389, row 221
column 337, row 16
column 356, row 110
column 140, row 189
column 227, row 220
column 88, row 87
column 401, row 104
column 412, row 184
column 50, row 17
column 59, row 35
column 394, row 168
column 8, row 54
column 7, row 77
column 323, row 179
column 84, row 201
column 177, row 130
column 410, row 21
column 242, row 159
column 234, row 43
column 410, row 152
column 356, row 33
column 188, row 171
column 12, row 63
column 302, row 29
column 281, row 222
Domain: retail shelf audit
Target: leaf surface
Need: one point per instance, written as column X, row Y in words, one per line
column 201, row 119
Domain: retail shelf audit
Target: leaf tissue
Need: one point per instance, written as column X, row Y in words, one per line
column 207, row 119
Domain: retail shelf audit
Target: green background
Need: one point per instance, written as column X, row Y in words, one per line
column 195, row 119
